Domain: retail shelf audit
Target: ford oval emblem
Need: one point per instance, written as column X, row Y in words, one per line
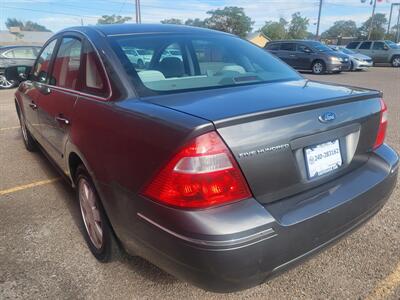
column 327, row 117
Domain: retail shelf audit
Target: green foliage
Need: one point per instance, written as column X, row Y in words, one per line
column 298, row 27
column 27, row 26
column 172, row 21
column 230, row 19
column 378, row 27
column 113, row 19
column 275, row 30
column 341, row 28
column 195, row 22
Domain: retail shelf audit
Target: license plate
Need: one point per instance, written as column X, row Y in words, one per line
column 323, row 158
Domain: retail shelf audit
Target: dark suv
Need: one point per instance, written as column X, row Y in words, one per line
column 309, row 55
column 379, row 51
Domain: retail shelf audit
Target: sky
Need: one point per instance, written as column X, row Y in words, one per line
column 59, row 14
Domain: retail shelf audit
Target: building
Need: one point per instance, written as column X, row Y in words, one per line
column 15, row 36
column 258, row 38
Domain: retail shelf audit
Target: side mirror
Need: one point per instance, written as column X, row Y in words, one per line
column 17, row 73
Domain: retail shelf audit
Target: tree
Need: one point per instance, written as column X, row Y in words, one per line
column 275, row 30
column 298, row 27
column 230, row 19
column 195, row 22
column 341, row 28
column 113, row 19
column 378, row 28
column 27, row 26
column 172, row 21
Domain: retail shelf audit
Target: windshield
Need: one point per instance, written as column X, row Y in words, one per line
column 347, row 51
column 319, row 46
column 392, row 45
column 189, row 62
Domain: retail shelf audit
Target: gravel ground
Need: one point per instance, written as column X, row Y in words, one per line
column 43, row 254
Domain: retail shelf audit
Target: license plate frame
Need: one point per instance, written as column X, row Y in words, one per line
column 322, row 159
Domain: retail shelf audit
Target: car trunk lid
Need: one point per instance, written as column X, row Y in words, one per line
column 273, row 130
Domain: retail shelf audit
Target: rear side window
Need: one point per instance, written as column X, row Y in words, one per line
column 94, row 78
column 41, row 69
column 21, row 53
column 67, row 64
column 288, row 46
column 365, row 45
column 379, row 46
column 273, row 47
column 352, row 45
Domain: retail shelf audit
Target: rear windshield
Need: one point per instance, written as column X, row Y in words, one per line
column 180, row 62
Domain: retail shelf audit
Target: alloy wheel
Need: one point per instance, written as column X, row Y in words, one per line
column 90, row 213
column 396, row 62
column 4, row 83
column 23, row 128
column 317, row 68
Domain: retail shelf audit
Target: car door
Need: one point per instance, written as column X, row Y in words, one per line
column 365, row 48
column 288, row 54
column 304, row 57
column 33, row 88
column 380, row 52
column 57, row 103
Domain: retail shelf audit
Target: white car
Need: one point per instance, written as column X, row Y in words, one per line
column 139, row 57
column 358, row 61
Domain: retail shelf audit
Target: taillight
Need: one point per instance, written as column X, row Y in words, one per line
column 201, row 175
column 380, row 137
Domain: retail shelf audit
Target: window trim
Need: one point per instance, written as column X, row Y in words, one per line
column 83, row 37
column 55, row 50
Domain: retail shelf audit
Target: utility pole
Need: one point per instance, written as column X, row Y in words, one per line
column 137, row 11
column 140, row 12
column 390, row 18
column 398, row 26
column 319, row 18
column 372, row 20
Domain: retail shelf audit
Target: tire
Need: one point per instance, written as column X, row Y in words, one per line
column 318, row 67
column 97, row 230
column 29, row 141
column 140, row 64
column 396, row 61
column 6, row 84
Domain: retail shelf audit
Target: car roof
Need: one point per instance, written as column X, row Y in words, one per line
column 121, row 29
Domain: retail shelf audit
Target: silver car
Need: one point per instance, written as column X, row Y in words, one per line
column 358, row 61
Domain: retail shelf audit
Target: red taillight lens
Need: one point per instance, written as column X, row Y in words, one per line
column 380, row 137
column 202, row 174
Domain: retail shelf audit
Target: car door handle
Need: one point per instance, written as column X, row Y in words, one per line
column 292, row 55
column 63, row 120
column 33, row 105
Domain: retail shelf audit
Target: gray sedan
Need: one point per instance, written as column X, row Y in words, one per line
column 358, row 61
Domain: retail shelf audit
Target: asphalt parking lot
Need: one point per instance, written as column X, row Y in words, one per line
column 43, row 254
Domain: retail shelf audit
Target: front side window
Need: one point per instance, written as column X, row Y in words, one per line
column 379, row 46
column 67, row 64
column 365, row 45
column 182, row 62
column 41, row 69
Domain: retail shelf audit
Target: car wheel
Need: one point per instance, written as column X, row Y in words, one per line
column 396, row 61
column 97, row 230
column 318, row 67
column 29, row 141
column 140, row 64
column 6, row 84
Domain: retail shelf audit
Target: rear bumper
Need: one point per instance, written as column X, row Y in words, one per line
column 240, row 245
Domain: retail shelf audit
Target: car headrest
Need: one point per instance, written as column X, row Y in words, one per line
column 172, row 67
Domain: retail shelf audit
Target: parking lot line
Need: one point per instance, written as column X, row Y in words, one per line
column 387, row 286
column 27, row 186
column 9, row 128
